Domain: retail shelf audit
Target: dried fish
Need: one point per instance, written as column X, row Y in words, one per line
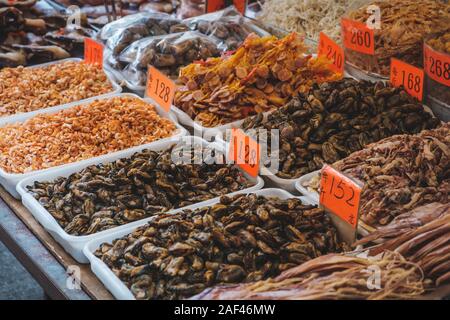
column 334, row 119
column 184, row 253
column 331, row 277
column 108, row 195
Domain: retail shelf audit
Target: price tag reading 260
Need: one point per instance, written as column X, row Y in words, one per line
column 244, row 151
column 160, row 88
column 340, row 195
column 358, row 37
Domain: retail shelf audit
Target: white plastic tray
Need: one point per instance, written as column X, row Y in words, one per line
column 74, row 244
column 19, row 117
column 313, row 196
column 118, row 289
column 10, row 180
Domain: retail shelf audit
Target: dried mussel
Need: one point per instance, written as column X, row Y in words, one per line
column 334, row 119
column 107, row 195
column 242, row 238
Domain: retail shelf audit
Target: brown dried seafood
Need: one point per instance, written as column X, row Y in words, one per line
column 404, row 24
column 422, row 236
column 263, row 74
column 335, row 119
column 332, row 277
column 401, row 173
column 168, row 54
column 240, row 239
column 108, row 195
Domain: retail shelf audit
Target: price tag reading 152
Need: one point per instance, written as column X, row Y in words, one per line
column 244, row 151
column 340, row 195
column 160, row 88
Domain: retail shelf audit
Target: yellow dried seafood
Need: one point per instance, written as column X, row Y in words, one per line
column 79, row 133
column 441, row 43
column 263, row 74
column 404, row 24
column 29, row 89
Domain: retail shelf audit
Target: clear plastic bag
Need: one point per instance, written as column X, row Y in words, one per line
column 167, row 53
column 191, row 8
column 121, row 33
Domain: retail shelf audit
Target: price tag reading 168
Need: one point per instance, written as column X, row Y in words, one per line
column 160, row 88
column 408, row 76
column 340, row 195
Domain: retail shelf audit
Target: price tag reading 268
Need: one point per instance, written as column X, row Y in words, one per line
column 340, row 195
column 160, row 88
column 244, row 151
column 437, row 65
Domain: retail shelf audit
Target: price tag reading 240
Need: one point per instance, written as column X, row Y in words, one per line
column 160, row 88
column 358, row 37
column 340, row 195
column 408, row 76
column 244, row 151
column 329, row 49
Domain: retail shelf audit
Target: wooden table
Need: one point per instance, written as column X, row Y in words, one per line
column 42, row 256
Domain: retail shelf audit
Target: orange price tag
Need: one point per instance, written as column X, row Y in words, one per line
column 240, row 5
column 340, row 195
column 408, row 76
column 93, row 52
column 437, row 65
column 245, row 152
column 329, row 49
column 357, row 36
column 214, row 5
column 160, row 88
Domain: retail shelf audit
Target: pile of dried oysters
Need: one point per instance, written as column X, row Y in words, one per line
column 334, row 119
column 240, row 239
column 108, row 195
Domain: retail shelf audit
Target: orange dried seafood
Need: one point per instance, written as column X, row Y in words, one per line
column 79, row 133
column 263, row 74
column 404, row 24
column 29, row 89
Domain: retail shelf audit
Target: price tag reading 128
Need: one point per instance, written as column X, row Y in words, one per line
column 93, row 52
column 358, row 37
column 408, row 76
column 329, row 49
column 160, row 88
column 340, row 195
column 244, row 151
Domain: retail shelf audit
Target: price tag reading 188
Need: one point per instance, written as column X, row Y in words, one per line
column 244, row 151
column 358, row 37
column 93, row 52
column 332, row 51
column 160, row 88
column 408, row 76
column 340, row 195
column 437, row 65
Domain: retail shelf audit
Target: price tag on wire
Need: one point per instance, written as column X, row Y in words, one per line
column 408, row 76
column 357, row 36
column 160, row 88
column 244, row 151
column 216, row 5
column 329, row 49
column 340, row 195
column 93, row 52
column 437, row 65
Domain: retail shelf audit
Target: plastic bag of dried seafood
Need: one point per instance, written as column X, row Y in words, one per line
column 167, row 53
column 403, row 26
column 119, row 34
column 227, row 25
